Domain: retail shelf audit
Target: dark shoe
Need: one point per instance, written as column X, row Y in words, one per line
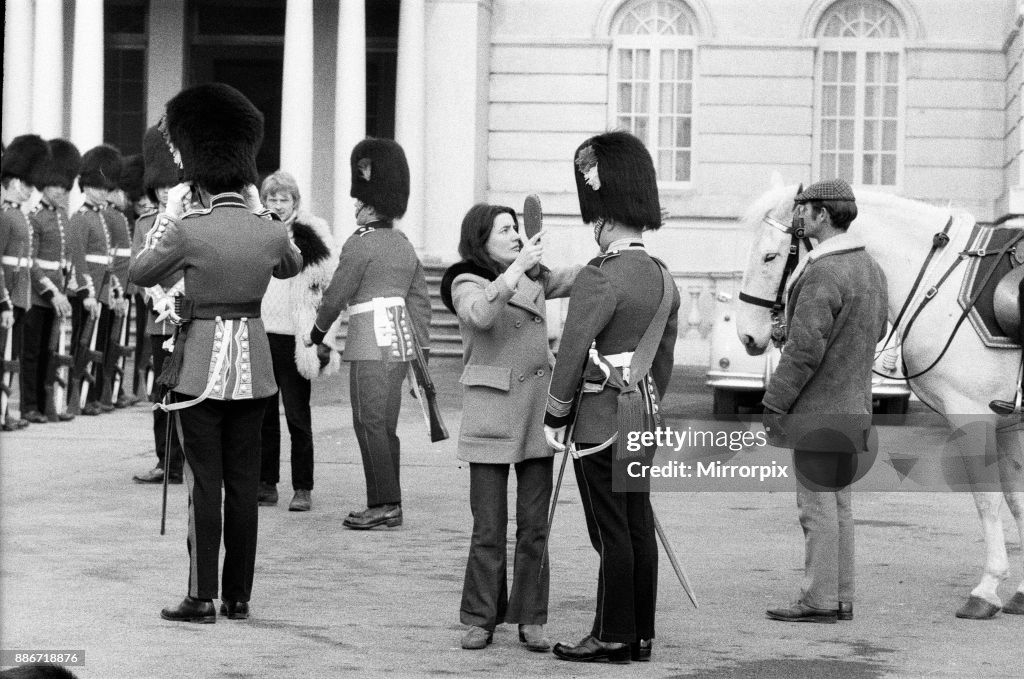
column 1015, row 606
column 191, row 610
column 798, row 612
column 384, row 515
column 845, row 610
column 533, row 637
column 302, row 502
column 640, row 651
column 591, row 649
column 476, row 638
column 35, row 417
column 60, row 417
column 234, row 610
column 267, row 495
column 12, row 423
column 106, row 407
column 126, row 401
column 1002, row 407
column 977, row 608
column 92, row 409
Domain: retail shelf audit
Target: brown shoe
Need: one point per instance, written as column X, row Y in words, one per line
column 476, row 638
column 267, row 495
column 384, row 515
column 302, row 502
column 533, row 637
column 798, row 612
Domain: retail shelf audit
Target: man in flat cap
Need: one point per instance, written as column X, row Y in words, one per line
column 622, row 318
column 220, row 373
column 380, row 279
column 23, row 161
column 835, row 315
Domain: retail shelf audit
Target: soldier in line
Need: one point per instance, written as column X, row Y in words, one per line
column 615, row 299
column 116, row 218
column 100, row 176
column 160, row 174
column 22, row 162
column 220, row 372
column 380, row 279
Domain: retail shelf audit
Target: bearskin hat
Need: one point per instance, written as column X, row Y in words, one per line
column 615, row 180
column 218, row 132
column 380, row 176
column 132, row 171
column 63, row 165
column 101, row 168
column 161, row 170
column 25, row 158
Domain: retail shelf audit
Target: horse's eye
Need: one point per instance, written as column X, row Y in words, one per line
column 770, row 256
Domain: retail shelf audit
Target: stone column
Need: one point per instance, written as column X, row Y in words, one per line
column 297, row 96
column 410, row 109
column 349, row 107
column 48, row 70
column 17, row 106
column 87, row 76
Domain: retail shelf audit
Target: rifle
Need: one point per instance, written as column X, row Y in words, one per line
column 9, row 367
column 426, row 393
column 115, row 356
column 58, row 371
column 85, row 356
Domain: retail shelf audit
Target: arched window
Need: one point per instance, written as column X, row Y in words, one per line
column 652, row 80
column 860, row 99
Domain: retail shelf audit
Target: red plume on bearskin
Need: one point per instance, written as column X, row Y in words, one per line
column 25, row 158
column 101, row 168
column 380, row 176
column 218, row 132
column 615, row 180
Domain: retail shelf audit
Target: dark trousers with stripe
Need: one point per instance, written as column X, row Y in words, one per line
column 38, row 324
column 222, row 447
column 621, row 527
column 486, row 601
column 294, row 391
column 103, row 330
column 375, row 388
column 160, row 418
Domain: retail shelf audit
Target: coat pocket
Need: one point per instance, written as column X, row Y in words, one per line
column 486, row 403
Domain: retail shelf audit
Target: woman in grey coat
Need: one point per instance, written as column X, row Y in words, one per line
column 505, row 380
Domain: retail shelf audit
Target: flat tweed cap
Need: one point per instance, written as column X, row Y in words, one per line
column 826, row 189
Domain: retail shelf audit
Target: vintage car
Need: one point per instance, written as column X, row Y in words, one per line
column 739, row 380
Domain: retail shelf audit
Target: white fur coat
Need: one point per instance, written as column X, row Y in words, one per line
column 319, row 260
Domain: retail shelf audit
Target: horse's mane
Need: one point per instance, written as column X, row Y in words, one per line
column 763, row 204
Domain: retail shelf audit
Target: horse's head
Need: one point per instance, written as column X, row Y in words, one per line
column 771, row 219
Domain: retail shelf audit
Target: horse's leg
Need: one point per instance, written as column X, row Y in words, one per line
column 1011, row 472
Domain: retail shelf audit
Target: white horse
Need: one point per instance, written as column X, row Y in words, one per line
column 898, row 233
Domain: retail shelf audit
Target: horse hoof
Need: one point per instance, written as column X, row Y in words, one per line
column 1015, row 605
column 977, row 608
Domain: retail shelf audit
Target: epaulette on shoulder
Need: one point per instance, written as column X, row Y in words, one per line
column 267, row 213
column 197, row 212
column 363, row 230
column 148, row 213
column 86, row 207
column 602, row 258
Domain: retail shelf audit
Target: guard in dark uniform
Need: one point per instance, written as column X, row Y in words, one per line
column 52, row 274
column 160, row 175
column 92, row 224
column 22, row 163
column 119, row 231
column 381, row 280
column 220, row 372
column 614, row 300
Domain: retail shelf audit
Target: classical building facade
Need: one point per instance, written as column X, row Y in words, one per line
column 491, row 97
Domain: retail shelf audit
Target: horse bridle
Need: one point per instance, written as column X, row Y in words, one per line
column 795, row 231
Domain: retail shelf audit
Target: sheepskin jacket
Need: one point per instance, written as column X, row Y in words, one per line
column 313, row 237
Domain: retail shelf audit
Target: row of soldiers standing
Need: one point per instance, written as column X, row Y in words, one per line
column 64, row 293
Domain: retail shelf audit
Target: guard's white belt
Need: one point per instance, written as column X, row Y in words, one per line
column 364, row 307
column 98, row 259
column 120, row 252
column 46, row 264
column 11, row 260
column 620, row 360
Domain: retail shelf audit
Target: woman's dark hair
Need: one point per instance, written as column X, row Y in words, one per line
column 476, row 229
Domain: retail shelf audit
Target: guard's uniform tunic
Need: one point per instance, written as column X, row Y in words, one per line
column 120, row 236
column 15, row 248
column 377, row 263
column 50, row 273
column 228, row 255
column 613, row 301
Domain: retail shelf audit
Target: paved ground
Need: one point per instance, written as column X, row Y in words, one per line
column 83, row 567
